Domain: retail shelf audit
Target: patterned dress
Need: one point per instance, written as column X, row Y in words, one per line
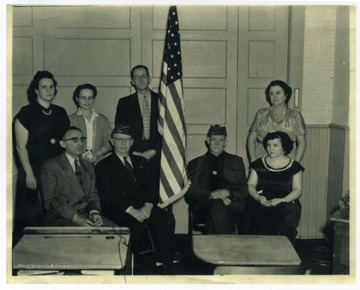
column 265, row 122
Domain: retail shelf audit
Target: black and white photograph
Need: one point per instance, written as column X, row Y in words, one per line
column 180, row 143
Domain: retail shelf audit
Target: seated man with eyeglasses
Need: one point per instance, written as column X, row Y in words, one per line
column 128, row 197
column 68, row 186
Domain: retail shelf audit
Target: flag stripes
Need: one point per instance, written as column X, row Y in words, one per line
column 174, row 181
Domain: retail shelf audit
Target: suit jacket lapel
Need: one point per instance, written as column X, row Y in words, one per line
column 136, row 106
column 122, row 169
column 71, row 176
column 86, row 178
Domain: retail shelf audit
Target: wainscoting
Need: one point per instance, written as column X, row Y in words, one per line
column 325, row 177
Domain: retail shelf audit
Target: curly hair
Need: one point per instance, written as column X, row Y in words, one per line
column 286, row 88
column 286, row 143
column 34, row 85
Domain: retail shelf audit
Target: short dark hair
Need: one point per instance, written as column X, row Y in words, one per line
column 139, row 66
column 286, row 88
column 34, row 85
column 71, row 128
column 78, row 89
column 286, row 143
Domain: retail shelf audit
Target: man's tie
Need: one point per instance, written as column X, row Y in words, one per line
column 146, row 118
column 78, row 172
column 129, row 167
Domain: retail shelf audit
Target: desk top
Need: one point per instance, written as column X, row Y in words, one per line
column 245, row 250
column 71, row 249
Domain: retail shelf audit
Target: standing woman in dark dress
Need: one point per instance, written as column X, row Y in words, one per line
column 275, row 183
column 38, row 128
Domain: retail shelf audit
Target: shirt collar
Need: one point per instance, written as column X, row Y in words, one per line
column 71, row 159
column 94, row 114
column 148, row 95
column 122, row 157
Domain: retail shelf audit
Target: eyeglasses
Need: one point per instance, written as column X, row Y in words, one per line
column 122, row 139
column 76, row 139
column 144, row 77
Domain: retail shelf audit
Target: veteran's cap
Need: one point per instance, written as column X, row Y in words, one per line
column 122, row 129
column 217, row 130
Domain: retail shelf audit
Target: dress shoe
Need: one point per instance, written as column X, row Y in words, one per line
column 163, row 269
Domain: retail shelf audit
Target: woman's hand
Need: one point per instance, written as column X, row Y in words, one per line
column 276, row 201
column 31, row 181
column 263, row 201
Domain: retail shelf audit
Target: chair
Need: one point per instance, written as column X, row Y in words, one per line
column 259, row 270
column 198, row 227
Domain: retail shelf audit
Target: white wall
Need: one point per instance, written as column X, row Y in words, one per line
column 319, row 57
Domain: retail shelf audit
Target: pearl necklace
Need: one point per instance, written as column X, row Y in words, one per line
column 47, row 113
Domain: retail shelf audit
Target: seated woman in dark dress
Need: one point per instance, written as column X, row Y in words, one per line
column 275, row 183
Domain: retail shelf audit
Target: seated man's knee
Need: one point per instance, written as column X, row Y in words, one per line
column 217, row 206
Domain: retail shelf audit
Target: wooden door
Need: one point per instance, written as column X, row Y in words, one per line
column 262, row 57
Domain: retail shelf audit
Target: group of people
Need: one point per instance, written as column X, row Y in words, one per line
column 77, row 171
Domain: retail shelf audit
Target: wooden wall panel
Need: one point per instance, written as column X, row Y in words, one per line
column 23, row 52
column 337, row 143
column 193, row 18
column 22, row 17
column 256, row 99
column 261, row 59
column 89, row 57
column 262, row 18
column 92, row 17
column 210, row 104
column 313, row 199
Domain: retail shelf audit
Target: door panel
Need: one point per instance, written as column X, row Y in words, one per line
column 263, row 51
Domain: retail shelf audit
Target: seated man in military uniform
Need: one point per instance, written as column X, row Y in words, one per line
column 218, row 190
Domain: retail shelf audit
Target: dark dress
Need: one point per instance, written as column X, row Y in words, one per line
column 45, row 131
column 284, row 218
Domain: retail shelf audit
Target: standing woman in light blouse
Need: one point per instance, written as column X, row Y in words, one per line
column 38, row 127
column 95, row 126
column 277, row 117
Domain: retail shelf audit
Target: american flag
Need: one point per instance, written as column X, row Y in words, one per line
column 174, row 181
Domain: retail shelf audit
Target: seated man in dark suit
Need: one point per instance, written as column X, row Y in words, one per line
column 128, row 197
column 68, row 186
column 218, row 191
column 140, row 111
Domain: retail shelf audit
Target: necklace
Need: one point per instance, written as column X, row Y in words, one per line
column 276, row 116
column 47, row 113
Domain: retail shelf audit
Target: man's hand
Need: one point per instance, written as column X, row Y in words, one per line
column 146, row 210
column 227, row 201
column 82, row 221
column 146, row 154
column 97, row 219
column 220, row 194
column 136, row 214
